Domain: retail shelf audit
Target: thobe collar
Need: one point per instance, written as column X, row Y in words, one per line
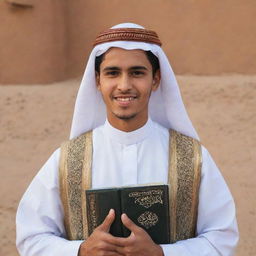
column 128, row 138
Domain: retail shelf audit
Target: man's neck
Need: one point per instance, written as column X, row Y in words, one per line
column 127, row 125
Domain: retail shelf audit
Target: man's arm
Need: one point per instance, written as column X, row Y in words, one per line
column 39, row 221
column 217, row 232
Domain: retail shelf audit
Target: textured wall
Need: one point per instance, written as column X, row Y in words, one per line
column 33, row 45
column 199, row 36
column 52, row 40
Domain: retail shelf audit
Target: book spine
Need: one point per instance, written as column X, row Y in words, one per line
column 92, row 211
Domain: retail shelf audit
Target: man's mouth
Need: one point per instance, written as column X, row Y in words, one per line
column 125, row 98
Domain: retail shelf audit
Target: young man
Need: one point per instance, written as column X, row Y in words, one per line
column 129, row 101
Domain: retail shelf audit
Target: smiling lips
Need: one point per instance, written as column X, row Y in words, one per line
column 124, row 98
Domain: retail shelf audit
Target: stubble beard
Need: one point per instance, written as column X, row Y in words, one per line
column 125, row 117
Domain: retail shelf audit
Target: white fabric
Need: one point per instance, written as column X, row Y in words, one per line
column 165, row 107
column 136, row 157
column 128, row 151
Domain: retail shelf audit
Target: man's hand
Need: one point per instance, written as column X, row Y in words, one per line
column 100, row 242
column 139, row 243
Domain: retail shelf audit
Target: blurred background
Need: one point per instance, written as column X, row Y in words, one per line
column 44, row 47
column 48, row 41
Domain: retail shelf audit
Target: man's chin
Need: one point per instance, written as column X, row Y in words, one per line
column 125, row 117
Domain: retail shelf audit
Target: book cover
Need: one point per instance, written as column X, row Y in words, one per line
column 147, row 206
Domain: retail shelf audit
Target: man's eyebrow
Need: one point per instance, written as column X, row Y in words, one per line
column 138, row 68
column 114, row 68
column 111, row 68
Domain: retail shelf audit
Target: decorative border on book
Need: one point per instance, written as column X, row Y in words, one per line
column 128, row 34
column 93, row 212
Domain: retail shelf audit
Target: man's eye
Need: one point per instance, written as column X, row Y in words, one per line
column 111, row 73
column 137, row 73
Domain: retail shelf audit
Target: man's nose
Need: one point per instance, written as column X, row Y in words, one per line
column 125, row 83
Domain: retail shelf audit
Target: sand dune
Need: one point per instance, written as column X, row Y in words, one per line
column 34, row 120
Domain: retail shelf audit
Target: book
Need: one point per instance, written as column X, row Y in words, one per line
column 147, row 206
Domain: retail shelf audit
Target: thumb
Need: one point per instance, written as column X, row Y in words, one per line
column 105, row 226
column 128, row 223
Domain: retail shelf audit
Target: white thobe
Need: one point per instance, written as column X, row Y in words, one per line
column 121, row 158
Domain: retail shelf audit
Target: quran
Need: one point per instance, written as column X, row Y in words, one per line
column 147, row 206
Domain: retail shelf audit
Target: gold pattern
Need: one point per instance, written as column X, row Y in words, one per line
column 63, row 187
column 172, row 181
column 128, row 34
column 71, row 185
column 196, row 185
column 147, row 198
column 86, row 179
column 184, row 179
column 148, row 219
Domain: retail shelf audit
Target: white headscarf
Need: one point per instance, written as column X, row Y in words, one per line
column 165, row 105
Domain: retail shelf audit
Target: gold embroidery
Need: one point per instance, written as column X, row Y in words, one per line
column 128, row 34
column 196, row 185
column 72, row 179
column 184, row 179
column 63, row 174
column 74, row 166
column 86, row 179
column 148, row 219
column 172, row 181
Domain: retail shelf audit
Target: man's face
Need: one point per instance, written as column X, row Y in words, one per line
column 126, row 82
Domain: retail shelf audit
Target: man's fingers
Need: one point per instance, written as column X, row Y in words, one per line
column 100, row 246
column 110, row 249
column 113, row 253
column 129, row 224
column 112, row 240
column 105, row 226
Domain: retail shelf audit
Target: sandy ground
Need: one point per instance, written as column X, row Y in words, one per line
column 34, row 120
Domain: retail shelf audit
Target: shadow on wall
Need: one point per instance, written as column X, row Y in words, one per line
column 21, row 3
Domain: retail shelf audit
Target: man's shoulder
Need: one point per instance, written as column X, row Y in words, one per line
column 180, row 135
column 77, row 143
column 158, row 128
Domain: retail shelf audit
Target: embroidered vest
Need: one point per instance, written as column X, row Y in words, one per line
column 183, row 179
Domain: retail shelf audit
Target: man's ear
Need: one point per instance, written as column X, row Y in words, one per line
column 97, row 77
column 156, row 80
